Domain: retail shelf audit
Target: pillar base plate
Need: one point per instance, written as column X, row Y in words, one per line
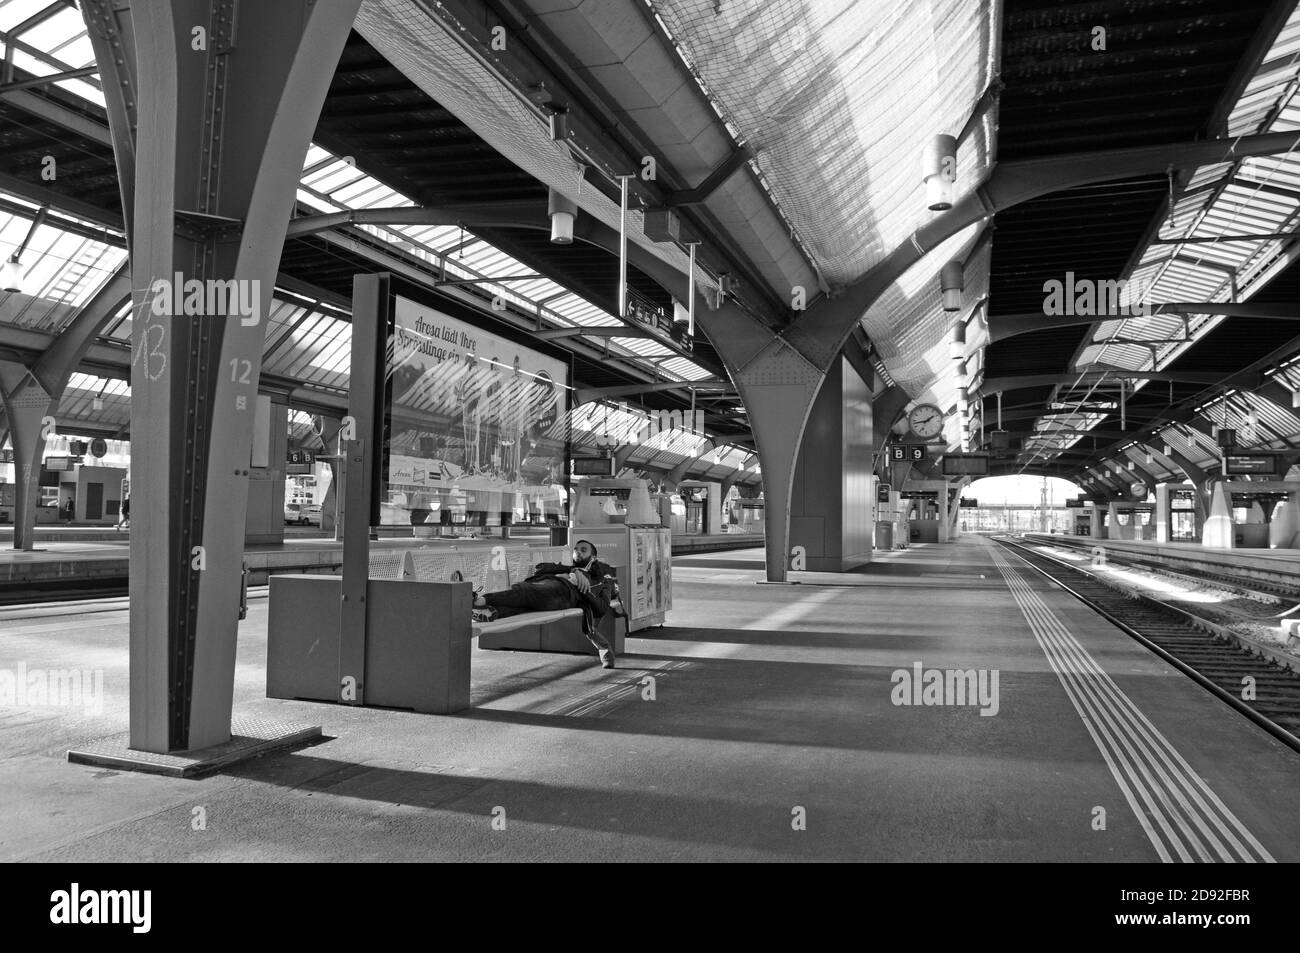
column 249, row 738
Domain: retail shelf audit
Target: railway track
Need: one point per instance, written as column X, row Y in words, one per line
column 32, row 591
column 1251, row 586
column 1251, row 678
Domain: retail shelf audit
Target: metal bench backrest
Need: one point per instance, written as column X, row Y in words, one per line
column 386, row 563
column 495, row 568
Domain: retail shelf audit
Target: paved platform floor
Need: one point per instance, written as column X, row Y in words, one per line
column 772, row 705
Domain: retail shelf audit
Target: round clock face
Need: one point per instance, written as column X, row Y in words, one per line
column 1139, row 490
column 926, row 420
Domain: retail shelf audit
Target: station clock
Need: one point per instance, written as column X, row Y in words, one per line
column 926, row 421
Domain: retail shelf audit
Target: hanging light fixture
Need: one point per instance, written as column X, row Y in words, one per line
column 11, row 275
column 11, row 272
column 939, row 171
column 562, row 211
column 957, row 344
column 951, row 282
column 559, row 122
column 690, row 293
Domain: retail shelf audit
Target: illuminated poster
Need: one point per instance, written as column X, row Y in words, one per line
column 477, row 423
column 651, row 572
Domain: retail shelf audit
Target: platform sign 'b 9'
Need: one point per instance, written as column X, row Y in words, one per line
column 907, row 453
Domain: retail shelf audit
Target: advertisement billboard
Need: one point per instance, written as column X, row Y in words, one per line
column 651, row 572
column 475, row 422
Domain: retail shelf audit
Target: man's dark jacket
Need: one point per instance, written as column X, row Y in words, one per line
column 595, row 602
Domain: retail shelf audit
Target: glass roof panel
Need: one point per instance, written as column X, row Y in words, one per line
column 1255, row 195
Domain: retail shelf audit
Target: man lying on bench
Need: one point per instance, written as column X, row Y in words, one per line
column 588, row 585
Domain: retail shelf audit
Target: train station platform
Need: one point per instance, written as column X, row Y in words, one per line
column 764, row 722
column 1277, row 563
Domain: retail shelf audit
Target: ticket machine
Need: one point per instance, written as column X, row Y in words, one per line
column 619, row 519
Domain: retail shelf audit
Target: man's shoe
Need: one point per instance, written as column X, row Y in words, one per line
column 606, row 658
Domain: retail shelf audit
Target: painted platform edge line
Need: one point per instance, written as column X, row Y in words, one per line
column 1125, row 728
column 1146, row 751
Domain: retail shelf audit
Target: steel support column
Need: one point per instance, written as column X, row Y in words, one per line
column 329, row 438
column 806, row 347
column 33, row 391
column 1177, row 461
column 228, row 98
column 112, row 37
column 26, row 405
column 778, row 386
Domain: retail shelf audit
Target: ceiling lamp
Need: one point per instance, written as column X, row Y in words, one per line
column 562, row 211
column 559, row 121
column 939, row 171
column 957, row 345
column 11, row 272
column 951, row 281
column 11, row 275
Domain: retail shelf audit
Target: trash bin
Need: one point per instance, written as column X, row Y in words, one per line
column 884, row 534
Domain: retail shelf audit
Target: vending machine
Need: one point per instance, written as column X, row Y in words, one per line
column 619, row 519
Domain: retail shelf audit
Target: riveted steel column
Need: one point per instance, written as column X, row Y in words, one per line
column 112, row 37
column 228, row 97
column 32, row 396
column 26, row 405
column 330, row 439
column 779, row 386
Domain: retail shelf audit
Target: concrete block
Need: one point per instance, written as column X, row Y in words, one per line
column 417, row 645
column 522, row 638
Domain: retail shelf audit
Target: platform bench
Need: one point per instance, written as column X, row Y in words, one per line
column 557, row 631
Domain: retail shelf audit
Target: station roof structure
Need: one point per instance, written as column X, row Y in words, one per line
column 787, row 138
